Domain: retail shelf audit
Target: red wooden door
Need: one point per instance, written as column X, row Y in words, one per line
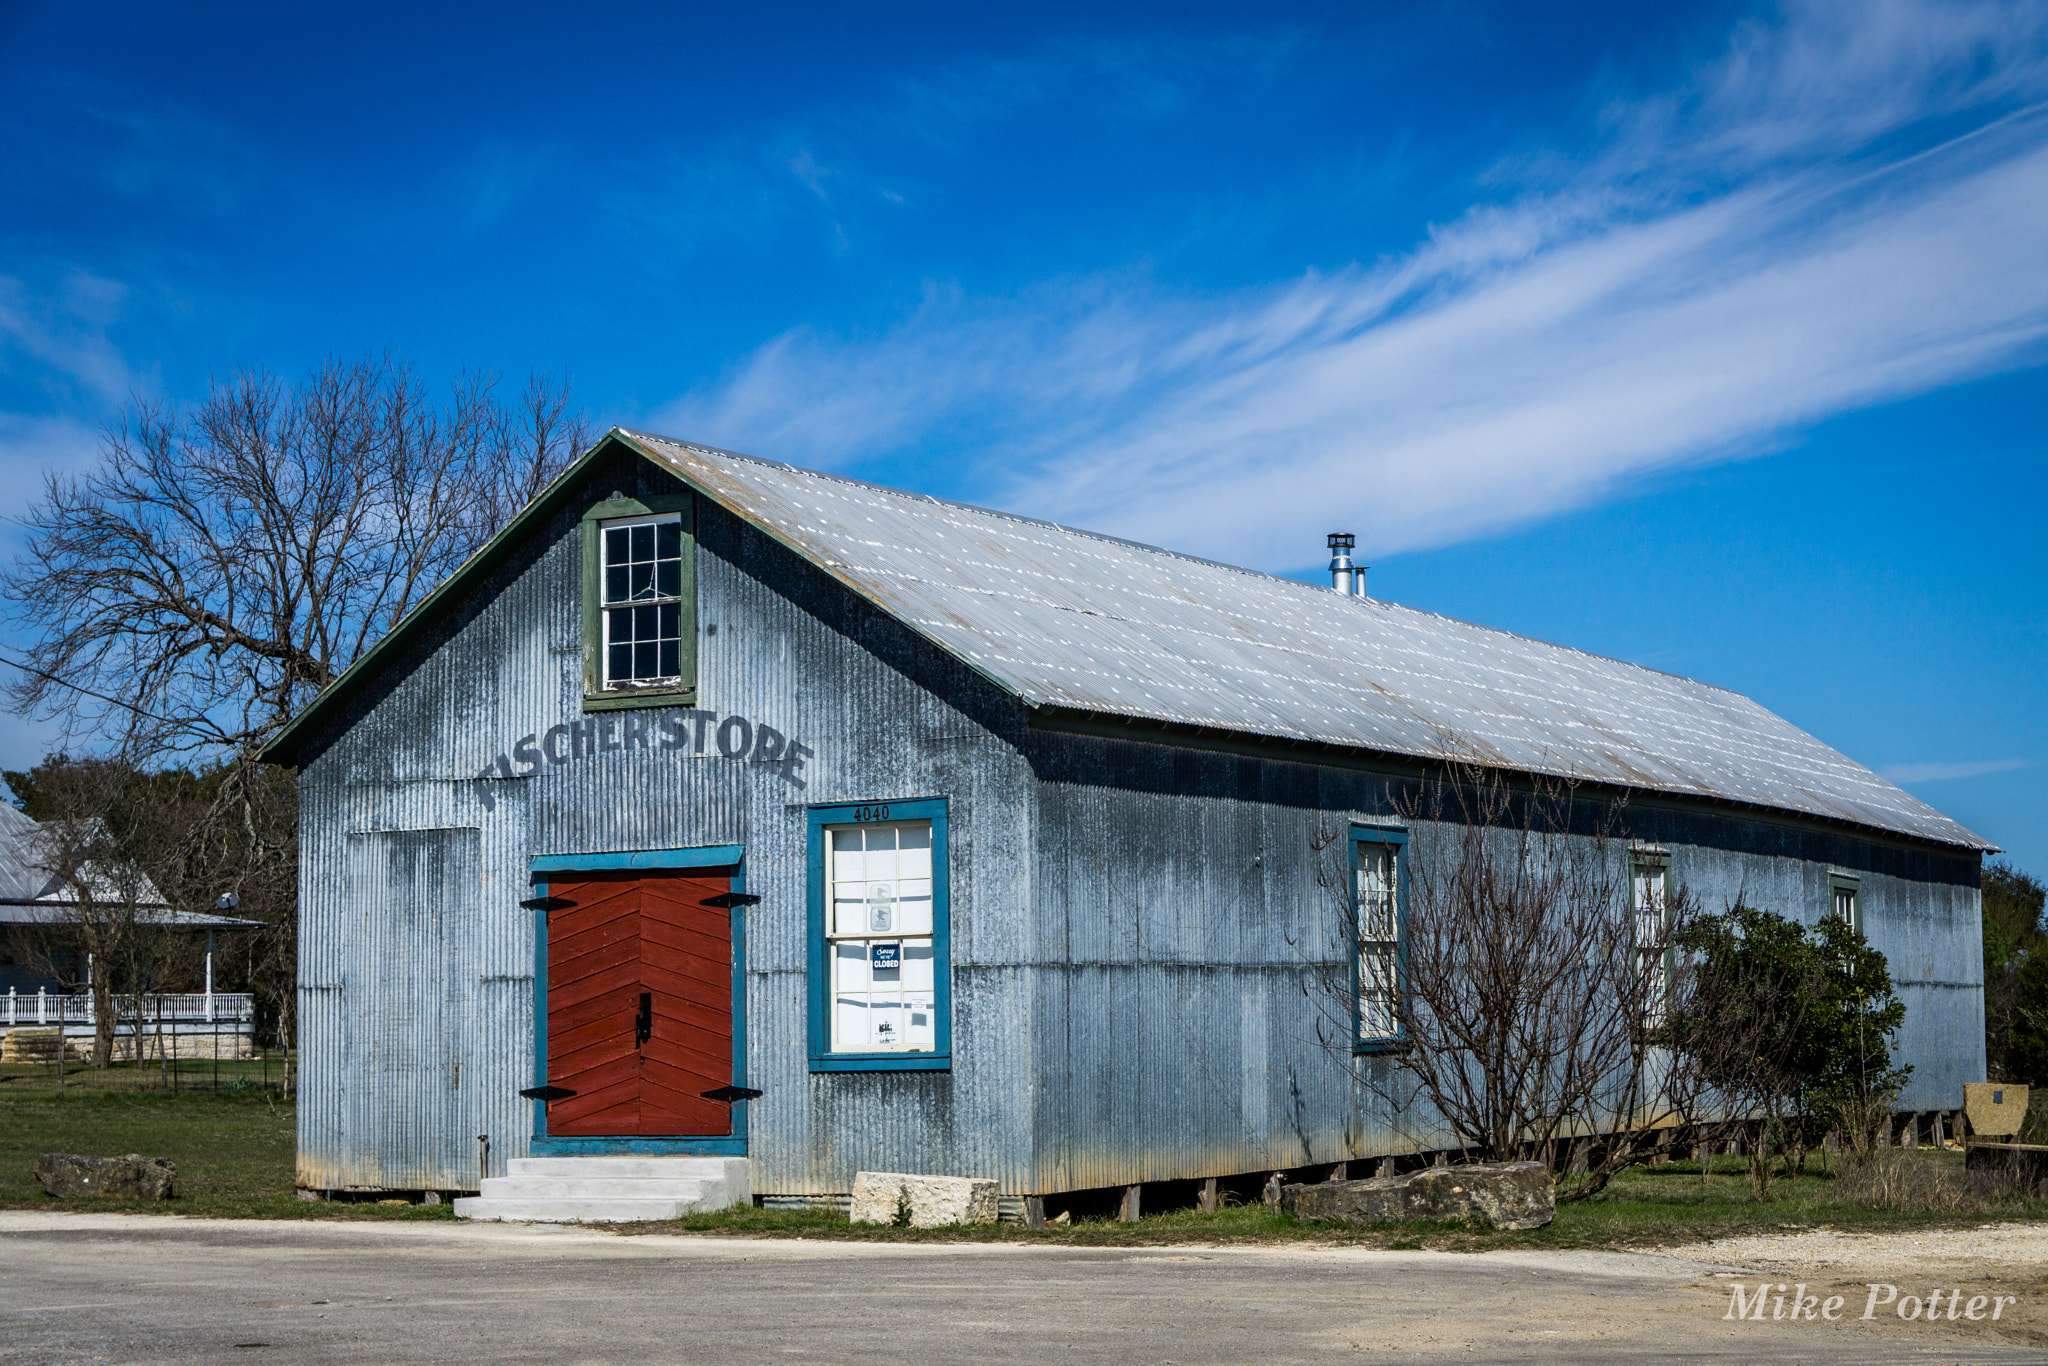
column 639, row 1004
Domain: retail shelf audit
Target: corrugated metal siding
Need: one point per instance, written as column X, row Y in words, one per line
column 1130, row 921
column 1072, row 619
column 1179, row 913
column 781, row 645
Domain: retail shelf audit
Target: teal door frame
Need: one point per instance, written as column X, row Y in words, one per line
column 713, row 856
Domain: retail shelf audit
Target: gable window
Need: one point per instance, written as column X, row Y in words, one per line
column 1845, row 900
column 1378, row 920
column 1651, row 894
column 640, row 610
column 880, row 970
column 643, row 594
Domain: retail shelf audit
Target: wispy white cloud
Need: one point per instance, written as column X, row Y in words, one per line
column 1908, row 774
column 61, row 330
column 1849, row 207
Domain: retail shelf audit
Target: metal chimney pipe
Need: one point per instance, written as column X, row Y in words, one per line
column 1345, row 577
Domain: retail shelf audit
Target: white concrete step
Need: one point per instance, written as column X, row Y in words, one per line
column 690, row 1190
column 569, row 1211
column 610, row 1189
column 641, row 1167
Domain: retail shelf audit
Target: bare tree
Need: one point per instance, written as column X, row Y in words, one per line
column 1531, row 985
column 105, row 927
column 224, row 564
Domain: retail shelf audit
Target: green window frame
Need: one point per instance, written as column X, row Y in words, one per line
column 598, row 693
column 824, row 820
column 1845, row 899
column 1379, row 938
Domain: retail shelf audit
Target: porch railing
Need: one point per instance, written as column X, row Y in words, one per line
column 174, row 1009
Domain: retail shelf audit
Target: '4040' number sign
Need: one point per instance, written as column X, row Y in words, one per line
column 864, row 814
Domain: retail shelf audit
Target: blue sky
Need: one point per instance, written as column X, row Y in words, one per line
column 1708, row 337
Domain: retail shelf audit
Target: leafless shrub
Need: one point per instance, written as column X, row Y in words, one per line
column 1531, row 986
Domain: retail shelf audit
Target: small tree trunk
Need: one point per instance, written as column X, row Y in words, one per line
column 104, row 1019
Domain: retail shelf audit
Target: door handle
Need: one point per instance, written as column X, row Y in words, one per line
column 643, row 1024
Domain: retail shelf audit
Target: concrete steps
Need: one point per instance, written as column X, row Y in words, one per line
column 609, row 1190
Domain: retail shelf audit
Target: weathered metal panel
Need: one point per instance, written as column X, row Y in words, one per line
column 1132, row 924
column 1073, row 619
column 1181, row 1023
column 781, row 645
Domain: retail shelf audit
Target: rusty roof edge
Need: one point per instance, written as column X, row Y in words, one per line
column 1153, row 730
column 639, row 442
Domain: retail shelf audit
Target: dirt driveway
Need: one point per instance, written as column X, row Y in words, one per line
column 1984, row 1285
column 134, row 1288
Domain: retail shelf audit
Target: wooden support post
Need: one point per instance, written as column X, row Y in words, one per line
column 1443, row 1159
column 1386, row 1167
column 1034, row 1211
column 1912, row 1131
column 1939, row 1127
column 1206, row 1201
column 1272, row 1192
column 1128, row 1211
column 1339, row 1172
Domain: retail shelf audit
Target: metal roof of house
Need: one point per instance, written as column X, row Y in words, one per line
column 31, row 895
column 1067, row 618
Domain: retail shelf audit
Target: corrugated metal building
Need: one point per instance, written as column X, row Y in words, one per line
column 1018, row 820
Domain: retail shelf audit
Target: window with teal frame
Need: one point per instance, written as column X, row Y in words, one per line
column 880, row 937
column 1379, row 922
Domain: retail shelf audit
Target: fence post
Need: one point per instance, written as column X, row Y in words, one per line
column 10, row 1005
column 42, row 1005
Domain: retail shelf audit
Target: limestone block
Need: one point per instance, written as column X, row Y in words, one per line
column 934, row 1201
column 133, row 1177
column 1492, row 1195
column 1995, row 1108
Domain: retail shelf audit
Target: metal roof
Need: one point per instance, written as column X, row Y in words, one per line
column 59, row 913
column 1073, row 619
column 30, row 894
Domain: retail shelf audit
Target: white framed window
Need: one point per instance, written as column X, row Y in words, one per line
column 1651, row 893
column 640, row 573
column 1845, row 900
column 881, row 933
column 1376, row 898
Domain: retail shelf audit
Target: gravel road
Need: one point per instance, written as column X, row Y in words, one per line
column 135, row 1288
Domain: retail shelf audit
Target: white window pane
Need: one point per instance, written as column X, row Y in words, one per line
column 917, row 967
column 913, row 908
column 847, row 864
column 880, row 863
column 850, row 912
column 850, row 1024
column 914, row 843
column 850, row 967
